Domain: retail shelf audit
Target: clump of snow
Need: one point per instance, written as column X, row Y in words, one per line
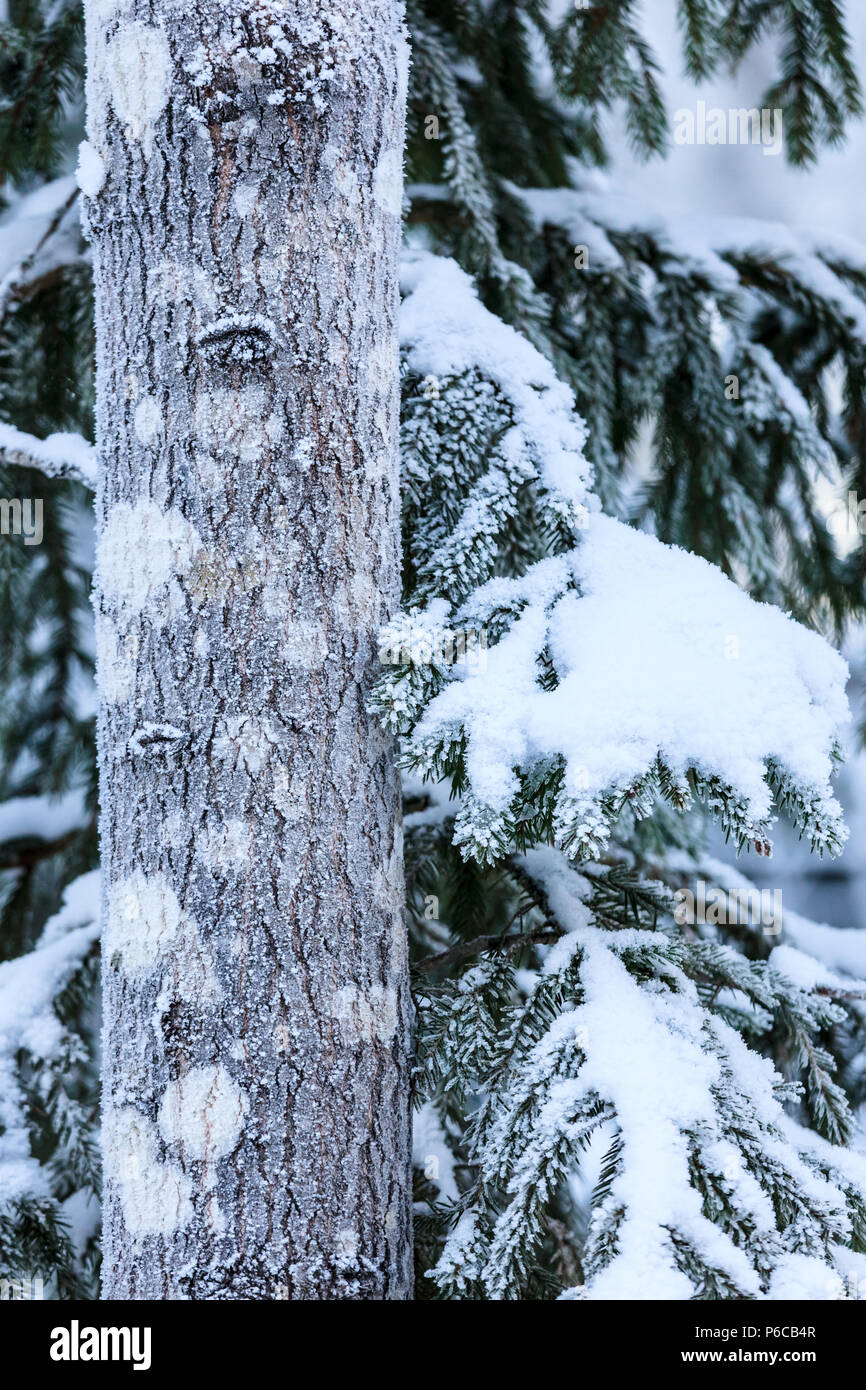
column 674, row 1076
column 39, row 231
column 645, row 1053
column 430, row 1151
column 90, row 174
column 663, row 688
column 80, row 908
column 840, row 949
column 805, row 971
column 42, row 817
column 202, row 1113
column 805, row 1279
column 707, row 246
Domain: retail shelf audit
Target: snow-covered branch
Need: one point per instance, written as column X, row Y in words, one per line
column 60, row 455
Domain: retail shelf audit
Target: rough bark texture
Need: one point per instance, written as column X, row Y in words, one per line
column 243, row 183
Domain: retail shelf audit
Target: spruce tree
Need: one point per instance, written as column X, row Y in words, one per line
column 619, row 1096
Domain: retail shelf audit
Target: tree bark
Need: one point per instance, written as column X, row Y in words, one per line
column 243, row 183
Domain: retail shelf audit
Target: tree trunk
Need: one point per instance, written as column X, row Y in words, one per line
column 244, row 182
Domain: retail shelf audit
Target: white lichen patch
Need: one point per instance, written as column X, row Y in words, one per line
column 172, row 282
column 147, row 929
column 225, row 847
column 399, row 954
column 155, row 1195
column 144, row 918
column 359, row 601
column 138, row 64
column 140, row 548
column 202, row 1113
column 147, row 420
column 99, row 12
column 382, row 365
column 289, row 794
column 303, row 644
column 237, row 423
column 245, row 743
column 245, row 197
column 346, row 1246
column 175, row 830
column 365, row 1015
column 115, row 662
column 388, row 181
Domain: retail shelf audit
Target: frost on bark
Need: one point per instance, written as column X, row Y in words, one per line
column 243, row 184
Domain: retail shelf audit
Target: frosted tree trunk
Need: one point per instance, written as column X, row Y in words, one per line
column 243, row 178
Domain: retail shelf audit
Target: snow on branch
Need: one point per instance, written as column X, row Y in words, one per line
column 823, row 266
column 30, row 1024
column 46, row 223
column 42, row 817
column 836, row 951
column 614, row 671
column 706, row 1187
column 446, row 332
column 624, row 670
column 60, row 455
